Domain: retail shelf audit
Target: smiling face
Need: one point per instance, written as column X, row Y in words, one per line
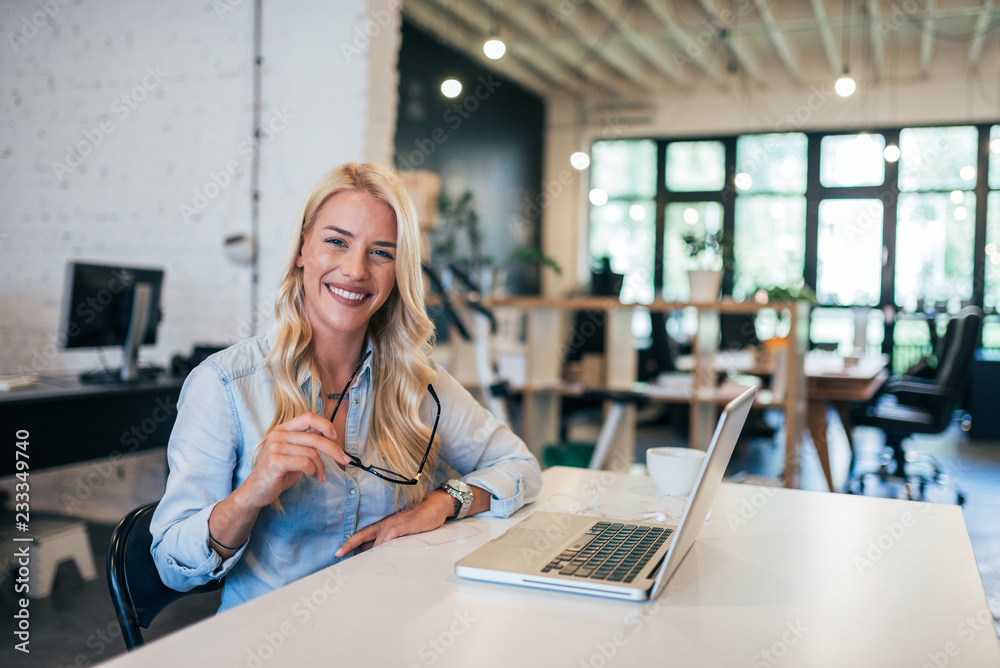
column 348, row 260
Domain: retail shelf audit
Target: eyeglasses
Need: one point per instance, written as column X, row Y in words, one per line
column 378, row 471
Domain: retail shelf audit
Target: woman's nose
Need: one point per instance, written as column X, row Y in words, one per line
column 355, row 265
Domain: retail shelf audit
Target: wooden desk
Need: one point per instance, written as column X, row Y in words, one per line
column 829, row 382
column 778, row 577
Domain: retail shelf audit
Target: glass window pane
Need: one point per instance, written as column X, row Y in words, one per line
column 849, row 252
column 773, row 163
column 624, row 168
column 937, row 158
column 935, row 233
column 769, row 244
column 991, row 295
column 852, row 160
column 696, row 166
column 624, row 231
column 684, row 218
column 837, row 328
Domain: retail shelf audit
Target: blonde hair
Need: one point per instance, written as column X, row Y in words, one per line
column 400, row 333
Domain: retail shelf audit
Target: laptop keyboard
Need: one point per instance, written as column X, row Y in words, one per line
column 611, row 551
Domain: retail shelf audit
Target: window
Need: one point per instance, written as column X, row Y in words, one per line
column 937, row 158
column 852, row 160
column 696, row 166
column 770, row 225
column 849, row 254
column 756, row 189
column 622, row 215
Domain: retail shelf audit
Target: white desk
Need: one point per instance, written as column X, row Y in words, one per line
column 778, row 578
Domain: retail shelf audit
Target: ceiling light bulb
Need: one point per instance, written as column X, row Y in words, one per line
column 598, row 197
column 451, row 87
column 845, row 86
column 891, row 153
column 579, row 160
column 494, row 48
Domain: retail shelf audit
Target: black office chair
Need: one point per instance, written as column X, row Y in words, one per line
column 907, row 405
column 137, row 592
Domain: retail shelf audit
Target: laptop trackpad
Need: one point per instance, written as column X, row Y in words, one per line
column 517, row 550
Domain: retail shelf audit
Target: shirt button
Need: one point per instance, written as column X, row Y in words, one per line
column 357, row 401
column 354, row 491
column 350, row 447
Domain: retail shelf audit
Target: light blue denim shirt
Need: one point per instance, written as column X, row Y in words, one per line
column 225, row 407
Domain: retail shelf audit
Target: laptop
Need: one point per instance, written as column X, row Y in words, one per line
column 620, row 559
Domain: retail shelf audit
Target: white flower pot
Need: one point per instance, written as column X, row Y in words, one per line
column 706, row 285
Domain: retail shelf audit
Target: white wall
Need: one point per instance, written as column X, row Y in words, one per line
column 168, row 143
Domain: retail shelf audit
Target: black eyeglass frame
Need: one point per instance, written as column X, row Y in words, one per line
column 377, row 471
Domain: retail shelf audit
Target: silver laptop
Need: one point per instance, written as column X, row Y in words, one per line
column 619, row 559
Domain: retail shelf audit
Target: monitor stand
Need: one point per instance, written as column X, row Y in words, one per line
column 130, row 372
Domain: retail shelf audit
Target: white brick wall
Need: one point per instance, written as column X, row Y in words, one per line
column 61, row 85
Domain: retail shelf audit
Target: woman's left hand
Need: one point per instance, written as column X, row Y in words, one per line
column 427, row 515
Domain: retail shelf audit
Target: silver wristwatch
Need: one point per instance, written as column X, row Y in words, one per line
column 463, row 497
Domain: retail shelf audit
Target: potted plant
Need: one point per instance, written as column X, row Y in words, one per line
column 708, row 253
column 458, row 242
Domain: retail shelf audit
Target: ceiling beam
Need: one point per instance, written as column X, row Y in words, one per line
column 777, row 39
column 628, row 67
column 730, row 41
column 878, row 42
column 826, row 36
column 982, row 21
column 686, row 46
column 431, row 20
column 571, row 58
column 659, row 57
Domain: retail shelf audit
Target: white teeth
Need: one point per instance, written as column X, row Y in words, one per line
column 353, row 296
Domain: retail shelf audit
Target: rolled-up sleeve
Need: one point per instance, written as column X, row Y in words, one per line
column 484, row 450
column 202, row 455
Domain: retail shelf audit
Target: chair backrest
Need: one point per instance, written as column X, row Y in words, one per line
column 137, row 593
column 954, row 368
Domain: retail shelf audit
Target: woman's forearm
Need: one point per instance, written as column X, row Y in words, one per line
column 230, row 523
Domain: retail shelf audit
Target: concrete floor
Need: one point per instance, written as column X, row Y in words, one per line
column 76, row 626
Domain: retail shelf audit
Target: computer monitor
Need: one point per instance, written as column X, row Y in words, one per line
column 106, row 305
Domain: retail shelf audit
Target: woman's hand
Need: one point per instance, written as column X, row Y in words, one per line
column 427, row 515
column 291, row 450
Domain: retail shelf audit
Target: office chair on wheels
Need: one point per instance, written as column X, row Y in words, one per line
column 908, row 404
column 137, row 593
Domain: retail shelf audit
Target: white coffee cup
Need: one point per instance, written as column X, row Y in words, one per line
column 674, row 470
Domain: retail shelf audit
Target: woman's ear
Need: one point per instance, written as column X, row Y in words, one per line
column 299, row 261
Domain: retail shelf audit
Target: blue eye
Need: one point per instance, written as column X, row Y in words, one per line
column 384, row 254
column 335, row 241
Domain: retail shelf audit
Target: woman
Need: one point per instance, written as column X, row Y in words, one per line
column 334, row 431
